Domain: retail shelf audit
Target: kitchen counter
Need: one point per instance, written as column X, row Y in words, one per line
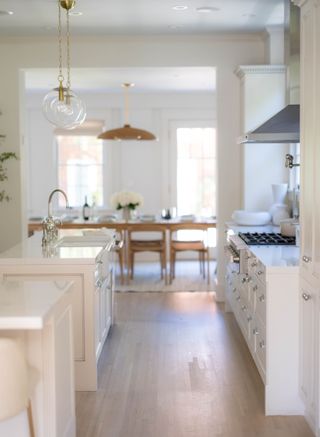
column 276, row 258
column 27, row 305
column 87, row 261
column 30, row 251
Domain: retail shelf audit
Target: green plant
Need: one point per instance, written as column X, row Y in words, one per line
column 3, row 172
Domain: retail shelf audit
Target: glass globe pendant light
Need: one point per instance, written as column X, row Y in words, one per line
column 61, row 106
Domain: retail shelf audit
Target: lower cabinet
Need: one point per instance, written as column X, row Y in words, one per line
column 265, row 303
column 309, row 352
column 103, row 310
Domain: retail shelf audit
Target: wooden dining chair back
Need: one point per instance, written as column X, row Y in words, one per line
column 139, row 241
column 196, row 243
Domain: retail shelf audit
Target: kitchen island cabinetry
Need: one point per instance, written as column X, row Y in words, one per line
column 38, row 317
column 92, row 272
column 265, row 302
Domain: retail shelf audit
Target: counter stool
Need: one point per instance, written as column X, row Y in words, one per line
column 14, row 384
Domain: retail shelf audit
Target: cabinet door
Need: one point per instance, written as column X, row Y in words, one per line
column 309, row 103
column 308, row 347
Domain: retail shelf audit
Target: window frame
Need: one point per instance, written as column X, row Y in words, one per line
column 104, row 170
column 173, row 155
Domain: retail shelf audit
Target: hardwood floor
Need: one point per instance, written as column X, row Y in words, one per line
column 175, row 365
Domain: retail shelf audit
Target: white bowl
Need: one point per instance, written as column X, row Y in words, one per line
column 251, row 218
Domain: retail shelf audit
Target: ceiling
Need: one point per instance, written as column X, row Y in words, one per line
column 144, row 17
column 109, row 80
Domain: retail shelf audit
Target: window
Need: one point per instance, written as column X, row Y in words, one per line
column 196, row 171
column 80, row 168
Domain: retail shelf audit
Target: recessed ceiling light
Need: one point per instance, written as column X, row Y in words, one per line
column 249, row 15
column 75, row 13
column 6, row 13
column 207, row 9
column 175, row 26
column 180, row 7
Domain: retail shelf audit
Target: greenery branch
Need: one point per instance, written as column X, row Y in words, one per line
column 3, row 172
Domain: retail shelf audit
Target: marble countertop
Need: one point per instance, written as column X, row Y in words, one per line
column 276, row 258
column 30, row 251
column 27, row 304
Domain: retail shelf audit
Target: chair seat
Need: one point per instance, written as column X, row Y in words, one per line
column 187, row 245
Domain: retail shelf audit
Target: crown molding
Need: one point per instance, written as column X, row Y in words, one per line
column 243, row 70
column 299, row 3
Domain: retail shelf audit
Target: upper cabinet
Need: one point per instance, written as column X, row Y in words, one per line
column 263, row 94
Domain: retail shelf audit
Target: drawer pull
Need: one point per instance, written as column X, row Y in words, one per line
column 306, row 259
column 249, row 318
column 255, row 331
column 260, row 272
column 261, row 298
column 306, row 296
column 99, row 283
column 238, row 298
column 234, row 290
column 255, row 288
column 254, row 264
column 262, row 344
column 244, row 308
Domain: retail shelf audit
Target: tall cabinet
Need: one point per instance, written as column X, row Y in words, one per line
column 310, row 209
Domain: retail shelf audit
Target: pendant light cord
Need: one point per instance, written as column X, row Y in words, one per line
column 68, row 51
column 60, row 77
column 126, row 103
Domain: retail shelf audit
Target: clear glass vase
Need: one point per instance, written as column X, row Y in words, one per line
column 126, row 214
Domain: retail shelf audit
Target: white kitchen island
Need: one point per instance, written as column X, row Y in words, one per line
column 88, row 262
column 38, row 316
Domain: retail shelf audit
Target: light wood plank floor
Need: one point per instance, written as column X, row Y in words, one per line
column 175, row 365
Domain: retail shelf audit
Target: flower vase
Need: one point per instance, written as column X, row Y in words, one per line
column 126, row 214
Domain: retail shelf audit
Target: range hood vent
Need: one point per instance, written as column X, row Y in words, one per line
column 284, row 127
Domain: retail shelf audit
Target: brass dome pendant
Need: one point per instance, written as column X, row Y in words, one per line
column 127, row 132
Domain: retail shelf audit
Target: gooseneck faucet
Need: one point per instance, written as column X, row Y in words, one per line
column 50, row 224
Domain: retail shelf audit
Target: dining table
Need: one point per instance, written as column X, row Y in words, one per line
column 121, row 226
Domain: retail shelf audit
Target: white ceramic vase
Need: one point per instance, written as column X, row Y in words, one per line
column 279, row 212
column 279, row 192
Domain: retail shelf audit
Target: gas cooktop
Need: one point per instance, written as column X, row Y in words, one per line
column 266, row 239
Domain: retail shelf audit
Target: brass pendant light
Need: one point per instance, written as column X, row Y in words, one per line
column 61, row 106
column 127, row 132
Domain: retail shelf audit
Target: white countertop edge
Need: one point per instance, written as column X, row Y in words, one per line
column 19, row 323
column 282, row 270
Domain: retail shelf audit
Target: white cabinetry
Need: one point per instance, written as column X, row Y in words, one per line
column 265, row 303
column 309, row 311
column 263, row 94
column 310, row 209
column 91, row 270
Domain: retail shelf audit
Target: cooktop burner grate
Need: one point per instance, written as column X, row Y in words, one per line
column 266, row 239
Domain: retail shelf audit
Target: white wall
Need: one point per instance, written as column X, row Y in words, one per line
column 133, row 165
column 225, row 52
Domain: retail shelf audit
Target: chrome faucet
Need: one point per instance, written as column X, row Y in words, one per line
column 50, row 224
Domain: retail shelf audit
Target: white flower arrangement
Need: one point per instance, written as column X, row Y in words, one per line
column 126, row 199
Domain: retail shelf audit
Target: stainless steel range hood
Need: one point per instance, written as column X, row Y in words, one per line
column 284, row 127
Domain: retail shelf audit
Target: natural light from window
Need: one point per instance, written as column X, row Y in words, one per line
column 196, row 171
column 80, row 169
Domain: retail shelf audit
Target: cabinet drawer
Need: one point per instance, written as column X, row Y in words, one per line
column 260, row 302
column 259, row 334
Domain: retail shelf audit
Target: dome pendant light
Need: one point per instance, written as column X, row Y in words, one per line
column 127, row 132
column 61, row 106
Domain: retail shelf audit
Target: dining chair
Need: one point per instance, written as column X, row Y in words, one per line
column 181, row 244
column 139, row 241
